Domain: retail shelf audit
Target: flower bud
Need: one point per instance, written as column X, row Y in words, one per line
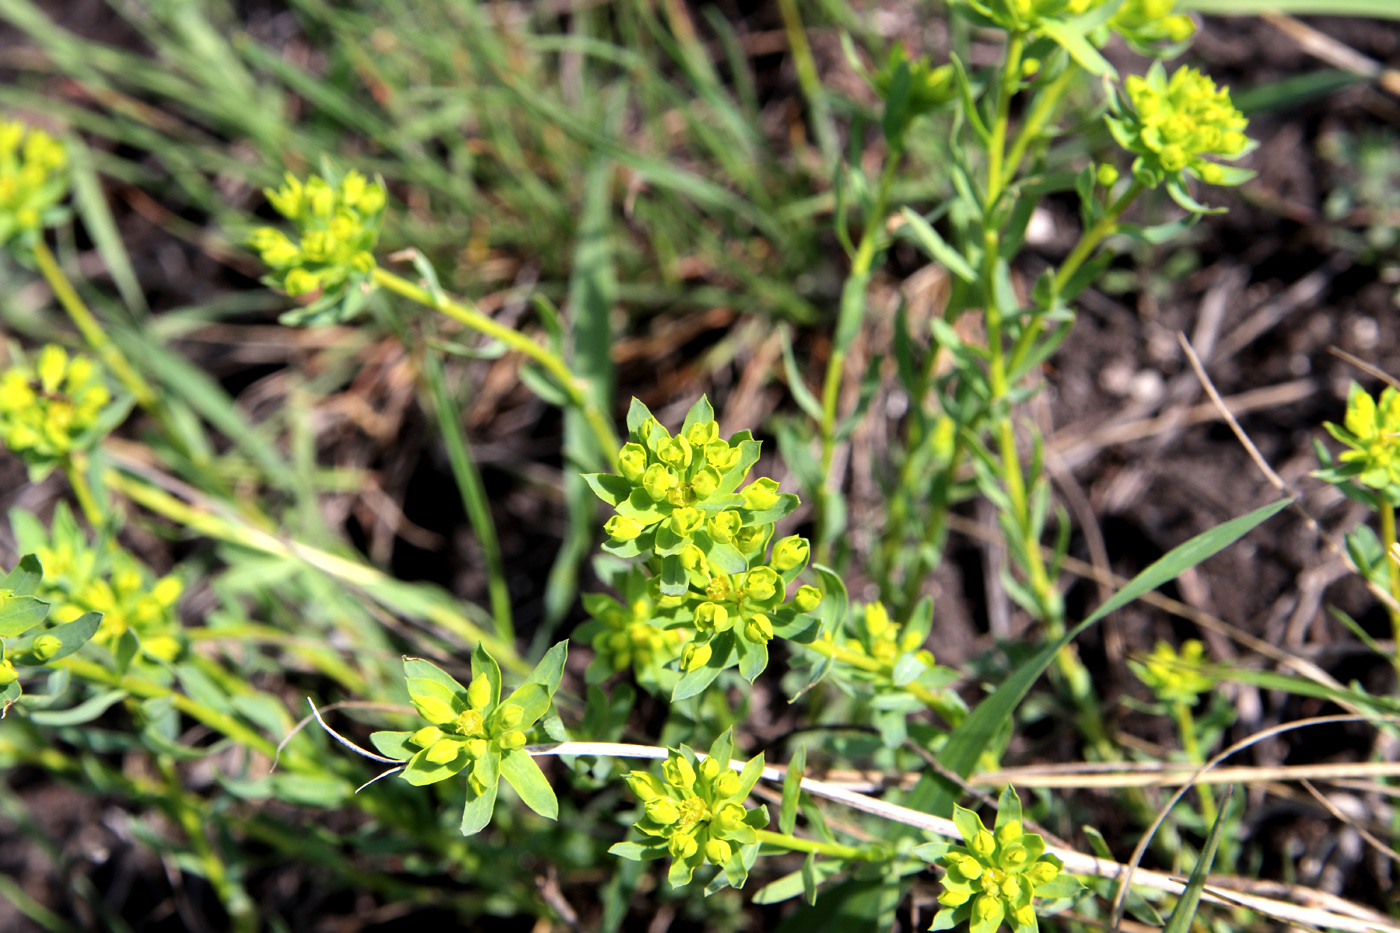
column 721, row 456
column 983, row 844
column 717, row 851
column 808, row 598
column 788, row 553
column 658, row 480
column 759, row 630
column 675, row 453
column 426, row 736
column 1107, row 175
column 1043, row 871
column 984, row 908
column 761, row 495
column 8, row 674
column 877, row 619
column 1011, row 889
column 443, row 751
column 686, row 521
column 969, row 866
column 470, row 722
column 678, row 772
column 479, row 693
column 693, row 559
column 749, row 539
column 46, row 646
column 1014, row 856
column 711, row 615
column 510, row 716
column 682, row 845
column 622, row 529
column 762, row 584
column 632, row 462
column 709, row 768
column 695, row 656
column 951, row 897
column 702, row 433
column 727, row 785
column 730, row 816
column 663, row 811
column 705, row 483
column 723, row 526
column 513, row 739
column 476, row 748
column 1009, row 834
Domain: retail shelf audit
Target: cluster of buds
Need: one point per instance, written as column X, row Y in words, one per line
column 80, row 578
column 1152, row 27
column 1371, row 433
column 1174, row 678
column 694, row 812
column 24, row 641
column 683, row 508
column 33, row 181
column 337, row 222
column 1177, row 125
column 879, row 638
column 49, row 409
column 995, row 875
column 622, row 633
column 474, row 729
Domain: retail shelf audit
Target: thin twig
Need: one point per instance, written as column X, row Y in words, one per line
column 1362, row 831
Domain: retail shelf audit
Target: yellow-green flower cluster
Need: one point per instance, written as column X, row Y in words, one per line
column 880, row 639
column 683, row 508
column 1151, row 27
column 1173, row 677
column 995, row 875
column 694, row 812
column 80, row 578
column 33, row 180
column 48, row 409
column 1178, row 125
column 622, row 633
column 337, row 222
column 1372, row 434
column 476, row 730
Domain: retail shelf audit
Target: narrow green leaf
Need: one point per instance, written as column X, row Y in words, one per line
column 1378, row 9
column 923, row 233
column 792, row 790
column 84, row 712
column 526, row 778
column 1185, row 911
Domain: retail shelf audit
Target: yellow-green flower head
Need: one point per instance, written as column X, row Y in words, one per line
column 47, row 409
column 760, row 495
column 996, row 875
column 1372, row 432
column 695, row 813
column 1179, row 125
column 1171, row 675
column 33, row 181
column 622, row 529
column 723, row 526
column 338, row 227
column 789, row 553
column 624, row 636
column 1148, row 25
column 658, row 481
column 632, row 462
column 807, row 598
column 129, row 597
column 929, row 87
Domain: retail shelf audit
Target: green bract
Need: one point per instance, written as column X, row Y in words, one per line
column 337, row 220
column 995, row 876
column 1176, row 126
column 694, row 812
column 683, row 508
column 1171, row 676
column 1372, row 431
column 473, row 729
column 51, row 408
column 33, row 182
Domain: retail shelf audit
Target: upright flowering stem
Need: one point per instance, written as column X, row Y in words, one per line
column 1392, row 568
column 551, row 362
column 1186, row 729
column 798, row 844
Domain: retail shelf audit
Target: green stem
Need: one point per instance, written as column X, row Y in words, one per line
column 847, row 326
column 1035, row 121
column 73, row 468
column 1010, row 78
column 1392, row 570
column 1095, row 235
column 551, row 362
column 797, row 844
column 1186, row 730
column 91, row 330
